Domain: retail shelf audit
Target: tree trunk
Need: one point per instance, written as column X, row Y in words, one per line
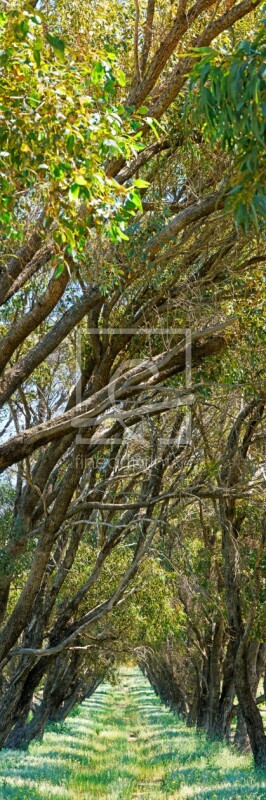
column 215, row 672
column 204, row 696
column 241, row 738
column 255, row 666
column 249, row 708
column 14, row 738
column 221, row 721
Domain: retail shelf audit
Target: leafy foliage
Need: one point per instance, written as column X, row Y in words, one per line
column 60, row 121
column 231, row 103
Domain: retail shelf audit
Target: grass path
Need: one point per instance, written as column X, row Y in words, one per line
column 123, row 745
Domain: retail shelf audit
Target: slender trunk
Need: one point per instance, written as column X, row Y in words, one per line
column 194, row 705
column 221, row 721
column 203, row 705
column 215, row 672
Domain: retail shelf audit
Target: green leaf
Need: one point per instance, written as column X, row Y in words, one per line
column 111, row 56
column 151, row 124
column 121, row 78
column 38, row 43
column 136, row 199
column 74, row 191
column 140, row 184
column 70, row 142
column 37, row 57
column 58, row 46
column 122, row 235
column 80, row 180
column 59, row 269
column 97, row 72
column 70, row 238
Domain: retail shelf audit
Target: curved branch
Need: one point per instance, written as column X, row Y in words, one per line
column 148, row 35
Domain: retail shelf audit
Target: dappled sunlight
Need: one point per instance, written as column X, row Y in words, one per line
column 123, row 745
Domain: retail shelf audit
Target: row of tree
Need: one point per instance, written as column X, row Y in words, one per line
column 131, row 388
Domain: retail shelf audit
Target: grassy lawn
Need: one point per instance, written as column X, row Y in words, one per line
column 123, row 745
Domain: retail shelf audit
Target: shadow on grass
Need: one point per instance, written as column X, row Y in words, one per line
column 229, row 793
column 163, row 758
column 104, row 778
column 45, row 771
column 91, row 757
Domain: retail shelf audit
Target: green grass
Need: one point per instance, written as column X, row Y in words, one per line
column 125, row 746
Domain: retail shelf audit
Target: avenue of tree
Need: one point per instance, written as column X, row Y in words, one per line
column 132, row 394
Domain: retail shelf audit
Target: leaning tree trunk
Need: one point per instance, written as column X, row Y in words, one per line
column 53, row 684
column 256, row 654
column 161, row 672
column 249, row 708
column 81, row 692
column 14, row 739
column 19, row 694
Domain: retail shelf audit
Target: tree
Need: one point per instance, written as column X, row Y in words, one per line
column 114, row 217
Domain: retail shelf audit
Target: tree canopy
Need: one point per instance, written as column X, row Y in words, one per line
column 132, row 391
